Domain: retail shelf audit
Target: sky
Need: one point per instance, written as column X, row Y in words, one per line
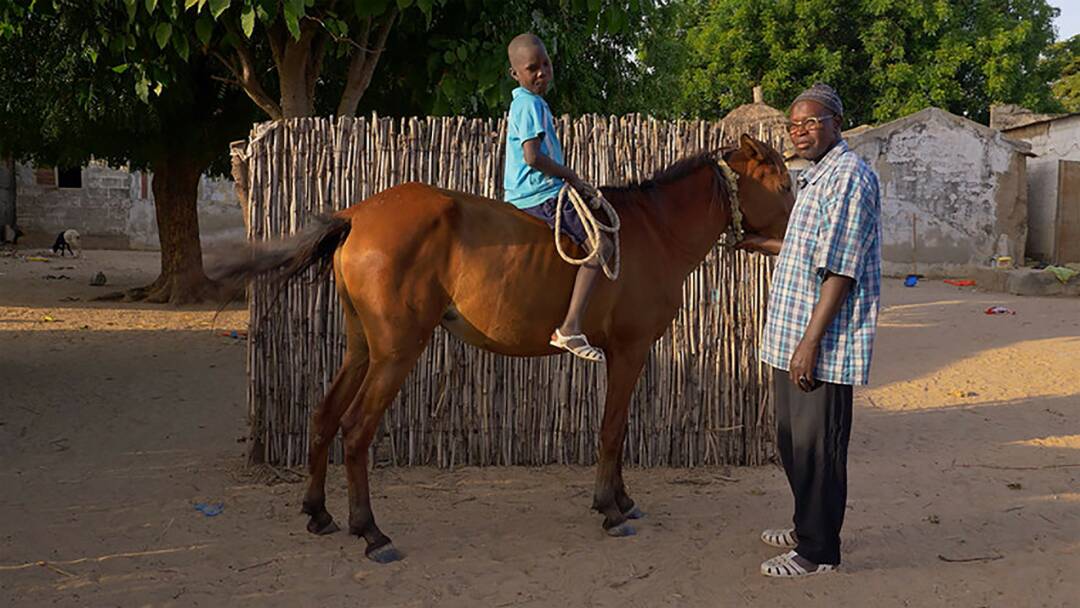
column 1068, row 23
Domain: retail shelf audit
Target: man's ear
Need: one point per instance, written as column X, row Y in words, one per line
column 513, row 73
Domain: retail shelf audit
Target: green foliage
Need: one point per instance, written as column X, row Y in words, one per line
column 1063, row 61
column 887, row 58
column 456, row 63
column 65, row 103
column 443, row 56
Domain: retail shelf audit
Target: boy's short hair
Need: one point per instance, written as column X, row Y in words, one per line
column 527, row 40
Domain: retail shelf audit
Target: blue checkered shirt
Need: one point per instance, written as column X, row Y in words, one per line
column 834, row 227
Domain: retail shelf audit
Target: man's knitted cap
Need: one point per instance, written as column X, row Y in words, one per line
column 823, row 94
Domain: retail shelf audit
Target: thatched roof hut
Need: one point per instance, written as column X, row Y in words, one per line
column 754, row 118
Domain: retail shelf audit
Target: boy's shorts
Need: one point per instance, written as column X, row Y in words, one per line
column 570, row 223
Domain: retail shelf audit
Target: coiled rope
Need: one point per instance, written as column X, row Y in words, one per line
column 594, row 228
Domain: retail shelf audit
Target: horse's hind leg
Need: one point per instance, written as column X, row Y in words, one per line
column 326, row 419
column 396, row 339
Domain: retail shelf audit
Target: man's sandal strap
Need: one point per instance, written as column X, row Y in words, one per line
column 783, row 538
column 785, row 566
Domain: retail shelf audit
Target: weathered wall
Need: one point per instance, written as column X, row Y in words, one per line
column 1042, row 206
column 114, row 208
column 7, row 191
column 1051, row 141
column 963, row 183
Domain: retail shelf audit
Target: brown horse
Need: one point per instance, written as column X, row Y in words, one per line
column 414, row 257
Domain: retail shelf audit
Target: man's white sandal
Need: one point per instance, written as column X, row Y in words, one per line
column 785, row 566
column 584, row 351
column 783, row 538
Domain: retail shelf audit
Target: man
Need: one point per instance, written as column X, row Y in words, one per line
column 820, row 329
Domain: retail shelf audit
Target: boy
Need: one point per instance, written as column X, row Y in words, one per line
column 535, row 173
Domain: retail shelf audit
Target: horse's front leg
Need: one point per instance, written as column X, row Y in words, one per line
column 610, row 498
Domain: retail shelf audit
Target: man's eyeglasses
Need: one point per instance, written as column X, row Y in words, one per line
column 813, row 123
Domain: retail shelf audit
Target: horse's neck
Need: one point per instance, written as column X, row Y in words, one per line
column 685, row 217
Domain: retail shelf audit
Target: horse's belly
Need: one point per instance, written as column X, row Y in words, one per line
column 500, row 331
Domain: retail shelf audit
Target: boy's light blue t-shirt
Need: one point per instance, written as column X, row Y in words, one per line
column 530, row 117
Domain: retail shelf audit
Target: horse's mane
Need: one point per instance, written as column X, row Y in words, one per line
column 678, row 170
column 673, row 172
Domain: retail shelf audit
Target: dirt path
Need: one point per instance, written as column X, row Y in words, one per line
column 115, row 419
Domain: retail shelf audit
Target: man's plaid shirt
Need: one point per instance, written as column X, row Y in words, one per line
column 834, row 227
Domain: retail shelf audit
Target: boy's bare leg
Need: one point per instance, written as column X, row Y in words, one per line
column 584, row 283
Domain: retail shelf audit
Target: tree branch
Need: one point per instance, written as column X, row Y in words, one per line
column 362, row 66
column 229, row 65
column 244, row 71
column 315, row 62
column 277, row 35
column 229, row 81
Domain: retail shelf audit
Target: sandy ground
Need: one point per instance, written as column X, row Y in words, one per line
column 115, row 419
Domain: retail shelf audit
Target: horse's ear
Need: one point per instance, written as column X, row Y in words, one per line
column 753, row 148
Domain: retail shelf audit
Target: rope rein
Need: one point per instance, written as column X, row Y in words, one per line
column 594, row 228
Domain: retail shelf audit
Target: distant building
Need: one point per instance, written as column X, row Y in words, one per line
column 111, row 208
column 953, row 192
column 1053, row 179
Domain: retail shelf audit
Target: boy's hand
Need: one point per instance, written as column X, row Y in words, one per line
column 584, row 188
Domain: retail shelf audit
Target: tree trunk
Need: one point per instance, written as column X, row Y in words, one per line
column 176, row 192
column 295, row 102
column 296, row 68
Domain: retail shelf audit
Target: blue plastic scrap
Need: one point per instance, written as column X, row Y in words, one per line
column 210, row 510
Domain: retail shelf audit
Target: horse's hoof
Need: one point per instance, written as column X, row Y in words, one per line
column 621, row 530
column 385, row 554
column 322, row 524
column 634, row 513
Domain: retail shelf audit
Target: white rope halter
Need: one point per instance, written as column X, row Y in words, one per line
column 735, row 231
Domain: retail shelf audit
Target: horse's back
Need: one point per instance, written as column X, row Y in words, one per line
column 495, row 266
column 413, row 209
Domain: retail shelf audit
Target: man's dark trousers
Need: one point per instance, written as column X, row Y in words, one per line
column 812, row 436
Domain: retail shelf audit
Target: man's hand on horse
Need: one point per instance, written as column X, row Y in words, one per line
column 759, row 244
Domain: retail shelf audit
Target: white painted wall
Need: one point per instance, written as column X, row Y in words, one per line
column 110, row 211
column 963, row 184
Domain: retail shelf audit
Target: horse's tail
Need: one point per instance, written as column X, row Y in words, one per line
column 314, row 246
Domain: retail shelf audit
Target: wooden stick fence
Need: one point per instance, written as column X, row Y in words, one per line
column 702, row 399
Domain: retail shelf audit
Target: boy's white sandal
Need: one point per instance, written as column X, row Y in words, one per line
column 585, row 351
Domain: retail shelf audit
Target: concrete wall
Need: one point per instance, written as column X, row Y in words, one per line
column 7, row 191
column 964, row 184
column 1051, row 141
column 114, row 208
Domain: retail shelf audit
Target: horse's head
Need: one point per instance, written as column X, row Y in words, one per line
column 765, row 195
